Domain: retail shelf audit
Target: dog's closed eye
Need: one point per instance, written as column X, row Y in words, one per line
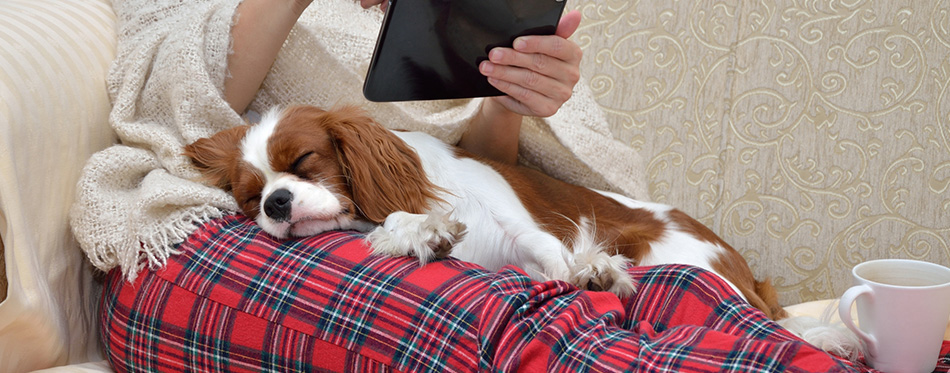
column 295, row 167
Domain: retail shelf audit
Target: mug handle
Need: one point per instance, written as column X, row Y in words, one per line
column 844, row 312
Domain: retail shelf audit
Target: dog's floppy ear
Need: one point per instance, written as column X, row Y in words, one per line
column 384, row 173
column 216, row 156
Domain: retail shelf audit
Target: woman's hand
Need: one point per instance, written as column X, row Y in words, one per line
column 539, row 73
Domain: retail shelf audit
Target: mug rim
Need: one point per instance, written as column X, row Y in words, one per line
column 942, row 268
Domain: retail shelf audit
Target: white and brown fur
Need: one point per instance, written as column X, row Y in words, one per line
column 311, row 170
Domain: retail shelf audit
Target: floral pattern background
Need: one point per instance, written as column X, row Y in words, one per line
column 812, row 135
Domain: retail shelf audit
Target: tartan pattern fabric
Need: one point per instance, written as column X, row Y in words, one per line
column 235, row 299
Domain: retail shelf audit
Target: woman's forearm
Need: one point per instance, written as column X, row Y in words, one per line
column 493, row 133
column 259, row 31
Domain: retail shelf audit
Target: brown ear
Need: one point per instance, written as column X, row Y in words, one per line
column 384, row 173
column 216, row 156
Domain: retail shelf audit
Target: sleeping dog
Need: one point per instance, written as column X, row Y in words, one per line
column 303, row 170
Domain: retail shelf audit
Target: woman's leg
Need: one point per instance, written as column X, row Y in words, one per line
column 669, row 296
column 551, row 328
column 235, row 299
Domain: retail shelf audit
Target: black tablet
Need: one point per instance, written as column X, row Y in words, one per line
column 430, row 49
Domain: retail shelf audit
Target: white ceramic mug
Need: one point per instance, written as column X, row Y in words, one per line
column 903, row 307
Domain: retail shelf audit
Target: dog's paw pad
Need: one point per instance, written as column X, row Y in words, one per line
column 444, row 233
column 596, row 285
column 602, row 272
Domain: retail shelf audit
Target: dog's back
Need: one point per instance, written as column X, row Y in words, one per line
column 503, row 204
column 647, row 233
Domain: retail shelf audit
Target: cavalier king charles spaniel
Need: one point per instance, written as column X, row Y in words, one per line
column 303, row 170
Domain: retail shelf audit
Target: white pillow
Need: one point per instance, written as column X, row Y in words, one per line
column 54, row 107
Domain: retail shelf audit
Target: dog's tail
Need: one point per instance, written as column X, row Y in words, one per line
column 769, row 299
column 760, row 294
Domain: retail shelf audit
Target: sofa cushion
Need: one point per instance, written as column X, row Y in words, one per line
column 54, row 112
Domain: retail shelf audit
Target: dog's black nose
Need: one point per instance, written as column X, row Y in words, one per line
column 277, row 205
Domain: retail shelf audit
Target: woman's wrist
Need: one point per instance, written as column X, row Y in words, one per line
column 260, row 30
column 493, row 133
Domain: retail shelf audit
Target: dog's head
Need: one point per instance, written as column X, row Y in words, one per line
column 303, row 170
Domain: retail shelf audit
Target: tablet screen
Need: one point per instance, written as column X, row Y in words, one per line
column 430, row 49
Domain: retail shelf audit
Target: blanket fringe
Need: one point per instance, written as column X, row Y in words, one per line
column 156, row 247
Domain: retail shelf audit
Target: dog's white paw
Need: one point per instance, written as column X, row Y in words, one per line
column 597, row 271
column 425, row 236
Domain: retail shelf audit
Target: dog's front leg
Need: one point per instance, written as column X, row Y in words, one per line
column 425, row 236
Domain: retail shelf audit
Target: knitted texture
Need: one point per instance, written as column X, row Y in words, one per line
column 139, row 198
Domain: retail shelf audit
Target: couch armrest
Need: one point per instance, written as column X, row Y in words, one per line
column 54, row 111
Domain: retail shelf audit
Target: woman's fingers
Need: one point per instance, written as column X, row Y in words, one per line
column 549, row 45
column 550, row 56
column 568, row 24
column 542, row 93
column 528, row 101
column 541, row 83
column 539, row 72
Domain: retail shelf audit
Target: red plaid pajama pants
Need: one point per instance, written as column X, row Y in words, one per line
column 235, row 299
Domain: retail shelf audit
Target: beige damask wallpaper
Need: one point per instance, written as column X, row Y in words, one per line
column 812, row 135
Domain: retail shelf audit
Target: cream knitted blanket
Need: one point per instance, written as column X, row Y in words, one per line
column 138, row 199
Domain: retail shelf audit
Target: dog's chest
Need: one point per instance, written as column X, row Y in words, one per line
column 492, row 212
column 479, row 197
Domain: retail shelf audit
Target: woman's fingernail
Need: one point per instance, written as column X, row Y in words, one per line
column 495, row 55
column 519, row 44
column 486, row 67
